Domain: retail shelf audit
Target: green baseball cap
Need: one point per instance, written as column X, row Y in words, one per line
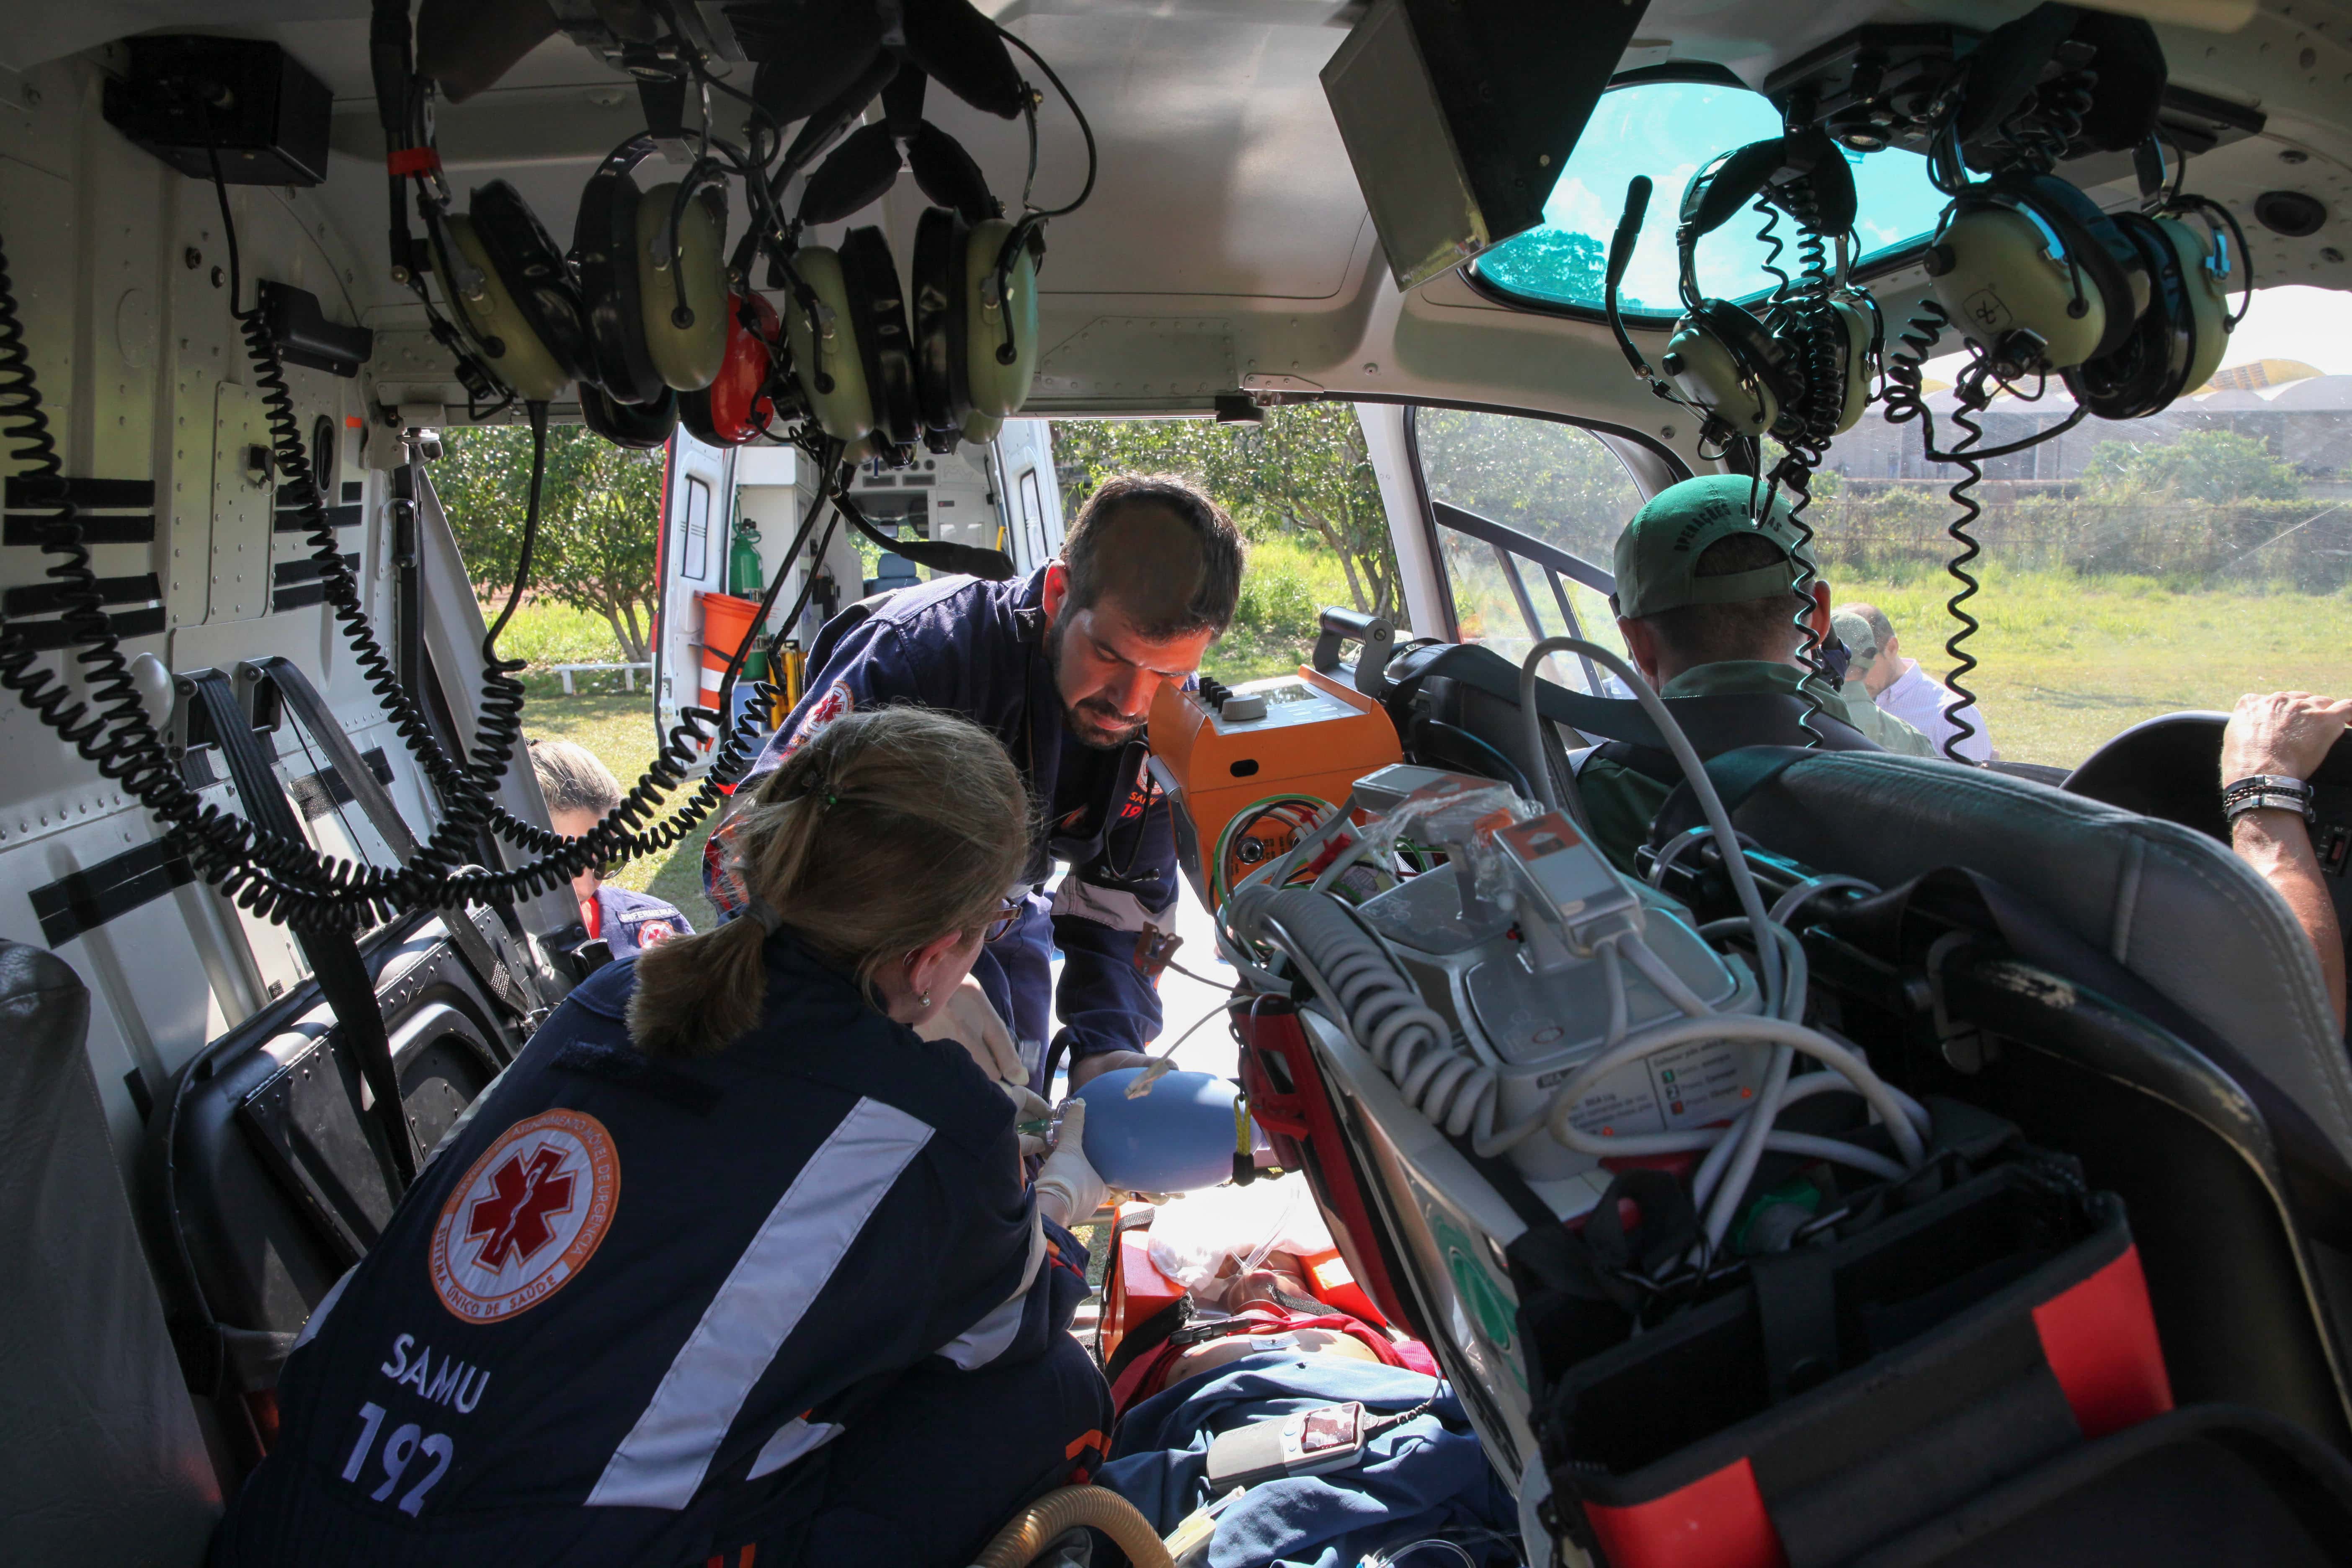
column 1673, row 528
column 1861, row 642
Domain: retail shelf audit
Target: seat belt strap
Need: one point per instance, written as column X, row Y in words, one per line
column 336, row 966
column 497, row 977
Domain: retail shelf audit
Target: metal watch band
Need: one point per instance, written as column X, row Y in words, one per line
column 2268, row 800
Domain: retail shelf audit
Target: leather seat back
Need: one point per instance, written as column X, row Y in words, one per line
column 101, row 1458
column 2169, row 904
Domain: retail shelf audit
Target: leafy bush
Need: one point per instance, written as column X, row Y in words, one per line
column 2221, row 466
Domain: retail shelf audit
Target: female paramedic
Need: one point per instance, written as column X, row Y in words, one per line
column 731, row 1267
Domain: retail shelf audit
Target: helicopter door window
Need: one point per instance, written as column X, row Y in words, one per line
column 1527, row 513
column 1033, row 518
column 697, row 565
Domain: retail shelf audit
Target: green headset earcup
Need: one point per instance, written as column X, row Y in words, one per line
column 686, row 341
column 1860, row 323
column 996, row 388
column 826, row 361
column 979, row 429
column 1709, row 373
column 537, row 280
column 2209, row 300
column 1991, row 272
column 506, row 337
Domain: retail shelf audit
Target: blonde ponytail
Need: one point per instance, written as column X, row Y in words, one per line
column 884, row 831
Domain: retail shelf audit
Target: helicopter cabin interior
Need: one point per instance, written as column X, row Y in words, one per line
column 280, row 899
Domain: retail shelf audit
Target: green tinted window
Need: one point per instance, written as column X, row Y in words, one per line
column 1669, row 131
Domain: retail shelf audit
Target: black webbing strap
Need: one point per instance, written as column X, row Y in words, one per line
column 341, row 973
column 376, row 803
column 1713, row 724
column 1736, row 776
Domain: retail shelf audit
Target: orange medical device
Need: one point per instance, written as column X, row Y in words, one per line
column 1247, row 766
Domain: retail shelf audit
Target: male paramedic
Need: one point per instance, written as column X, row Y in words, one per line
column 1706, row 602
column 1061, row 666
column 579, row 791
column 1901, row 687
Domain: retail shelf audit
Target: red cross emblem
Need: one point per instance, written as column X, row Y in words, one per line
column 514, row 1217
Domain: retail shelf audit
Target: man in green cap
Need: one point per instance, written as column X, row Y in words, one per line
column 1706, row 602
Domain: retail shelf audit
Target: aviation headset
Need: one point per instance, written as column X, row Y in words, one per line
column 651, row 278
column 972, row 349
column 646, row 316
column 2179, row 340
column 2036, row 275
column 1749, row 376
column 511, row 291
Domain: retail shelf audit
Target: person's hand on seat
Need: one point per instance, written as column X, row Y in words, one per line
column 1069, row 1190
column 2287, row 734
column 2281, row 733
column 970, row 1022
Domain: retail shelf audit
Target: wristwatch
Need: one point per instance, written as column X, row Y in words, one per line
column 2266, row 792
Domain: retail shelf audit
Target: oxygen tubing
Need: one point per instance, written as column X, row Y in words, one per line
column 1734, row 863
column 1058, row 1512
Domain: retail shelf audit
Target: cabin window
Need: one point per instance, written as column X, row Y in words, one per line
column 1669, row 131
column 697, row 565
column 1527, row 513
column 1033, row 518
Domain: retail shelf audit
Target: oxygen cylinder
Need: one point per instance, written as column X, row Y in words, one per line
column 746, row 578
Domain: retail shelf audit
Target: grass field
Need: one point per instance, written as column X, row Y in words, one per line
column 2066, row 662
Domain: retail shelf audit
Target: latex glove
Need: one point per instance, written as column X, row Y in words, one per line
column 971, row 1023
column 1068, row 1191
column 2284, row 733
column 1028, row 1106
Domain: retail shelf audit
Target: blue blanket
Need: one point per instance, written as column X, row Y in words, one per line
column 1424, row 1477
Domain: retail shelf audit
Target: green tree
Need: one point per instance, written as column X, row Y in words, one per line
column 600, row 509
column 2215, row 466
column 1305, row 471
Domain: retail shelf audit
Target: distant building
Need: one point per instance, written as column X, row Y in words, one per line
column 2304, row 417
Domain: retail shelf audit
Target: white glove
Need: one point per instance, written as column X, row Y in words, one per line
column 1068, row 1191
column 971, row 1023
column 1028, row 1106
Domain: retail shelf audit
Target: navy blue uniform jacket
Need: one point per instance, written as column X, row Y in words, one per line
column 625, row 1310
column 978, row 649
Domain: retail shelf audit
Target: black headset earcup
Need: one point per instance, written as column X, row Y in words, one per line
column 878, row 316
column 2151, row 367
column 694, row 417
column 639, row 426
column 938, row 321
column 604, row 238
column 533, row 271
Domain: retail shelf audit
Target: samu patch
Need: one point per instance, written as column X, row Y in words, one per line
column 521, row 1223
column 837, row 702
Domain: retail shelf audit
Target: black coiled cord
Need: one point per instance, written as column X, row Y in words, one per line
column 1808, row 318
column 1972, row 398
column 275, row 878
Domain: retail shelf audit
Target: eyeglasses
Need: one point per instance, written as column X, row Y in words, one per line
column 1006, row 915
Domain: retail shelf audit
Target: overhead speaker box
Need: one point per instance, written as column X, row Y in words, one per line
column 187, row 98
column 1458, row 115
